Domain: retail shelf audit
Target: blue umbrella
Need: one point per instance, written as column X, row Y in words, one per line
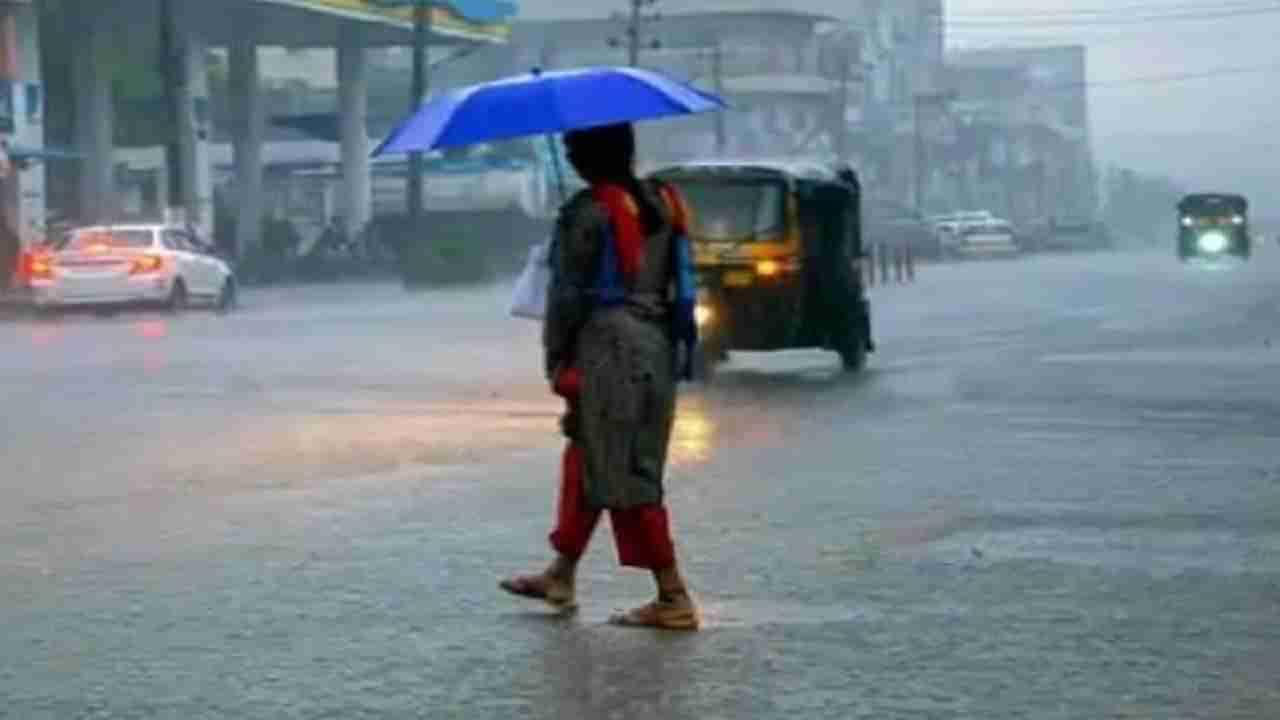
column 543, row 103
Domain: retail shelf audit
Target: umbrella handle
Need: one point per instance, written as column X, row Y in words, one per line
column 555, row 164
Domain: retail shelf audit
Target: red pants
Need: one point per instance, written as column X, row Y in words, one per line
column 642, row 534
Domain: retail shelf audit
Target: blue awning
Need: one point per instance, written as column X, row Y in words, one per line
column 483, row 11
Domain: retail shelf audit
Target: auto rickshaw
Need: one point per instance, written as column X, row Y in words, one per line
column 1213, row 225
column 777, row 247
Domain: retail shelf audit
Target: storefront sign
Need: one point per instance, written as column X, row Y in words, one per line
column 487, row 20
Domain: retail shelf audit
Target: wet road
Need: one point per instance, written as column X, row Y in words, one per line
column 1056, row 494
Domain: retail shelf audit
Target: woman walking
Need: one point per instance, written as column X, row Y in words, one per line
column 610, row 352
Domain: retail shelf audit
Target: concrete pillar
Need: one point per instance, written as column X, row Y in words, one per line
column 353, row 113
column 94, row 113
column 248, row 130
column 194, row 124
column 10, row 72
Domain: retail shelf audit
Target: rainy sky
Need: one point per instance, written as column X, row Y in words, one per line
column 1140, row 53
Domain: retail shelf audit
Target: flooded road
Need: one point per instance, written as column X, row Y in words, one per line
column 1055, row 494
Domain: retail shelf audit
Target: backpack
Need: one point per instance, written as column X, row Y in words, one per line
column 611, row 289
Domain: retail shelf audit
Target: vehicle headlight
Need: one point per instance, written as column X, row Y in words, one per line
column 1213, row 242
column 703, row 315
column 1237, row 219
column 768, row 268
column 1188, row 222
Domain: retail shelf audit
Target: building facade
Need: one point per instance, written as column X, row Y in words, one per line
column 768, row 63
column 1025, row 146
column 903, row 63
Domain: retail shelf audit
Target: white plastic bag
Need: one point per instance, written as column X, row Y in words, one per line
column 530, row 297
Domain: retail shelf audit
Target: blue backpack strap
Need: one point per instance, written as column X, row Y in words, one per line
column 685, row 315
column 610, row 289
column 684, row 311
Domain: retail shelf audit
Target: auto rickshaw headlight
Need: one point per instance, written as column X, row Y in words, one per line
column 1188, row 221
column 703, row 314
column 768, row 268
column 1213, row 242
column 1237, row 219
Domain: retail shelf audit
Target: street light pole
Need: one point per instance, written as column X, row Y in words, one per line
column 842, row 117
column 920, row 149
column 172, row 77
column 919, row 155
column 717, row 76
column 421, row 28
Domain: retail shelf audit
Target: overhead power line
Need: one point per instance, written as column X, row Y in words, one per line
column 1146, row 81
column 1113, row 10
column 1111, row 21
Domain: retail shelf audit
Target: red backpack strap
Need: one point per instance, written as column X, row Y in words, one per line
column 624, row 217
column 675, row 202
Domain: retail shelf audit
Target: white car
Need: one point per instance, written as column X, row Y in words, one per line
column 974, row 235
column 130, row 264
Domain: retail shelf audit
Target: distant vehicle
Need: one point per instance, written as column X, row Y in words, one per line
column 897, row 226
column 952, row 222
column 976, row 234
column 156, row 264
column 1072, row 235
column 1213, row 225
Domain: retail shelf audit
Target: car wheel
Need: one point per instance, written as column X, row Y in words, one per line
column 45, row 313
column 228, row 298
column 178, row 298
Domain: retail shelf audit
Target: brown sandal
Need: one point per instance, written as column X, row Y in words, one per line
column 661, row 615
column 539, row 587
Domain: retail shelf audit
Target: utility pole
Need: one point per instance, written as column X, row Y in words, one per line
column 634, row 32
column 421, row 28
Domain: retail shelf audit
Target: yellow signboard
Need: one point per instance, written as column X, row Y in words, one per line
column 444, row 20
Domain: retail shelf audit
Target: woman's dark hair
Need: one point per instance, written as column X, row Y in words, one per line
column 607, row 154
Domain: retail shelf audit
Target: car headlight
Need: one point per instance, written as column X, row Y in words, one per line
column 1213, row 242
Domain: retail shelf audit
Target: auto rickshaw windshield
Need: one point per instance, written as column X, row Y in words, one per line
column 735, row 211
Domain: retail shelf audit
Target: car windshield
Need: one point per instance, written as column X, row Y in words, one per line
column 96, row 239
column 734, row 211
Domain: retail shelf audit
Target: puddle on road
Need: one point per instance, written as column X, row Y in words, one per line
column 1154, row 552
column 1238, row 358
column 731, row 614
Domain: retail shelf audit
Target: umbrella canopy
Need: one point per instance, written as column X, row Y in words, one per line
column 543, row 103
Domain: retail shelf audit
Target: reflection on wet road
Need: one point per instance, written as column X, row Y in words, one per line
column 1055, row 494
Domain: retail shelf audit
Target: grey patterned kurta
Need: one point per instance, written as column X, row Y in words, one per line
column 624, row 417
